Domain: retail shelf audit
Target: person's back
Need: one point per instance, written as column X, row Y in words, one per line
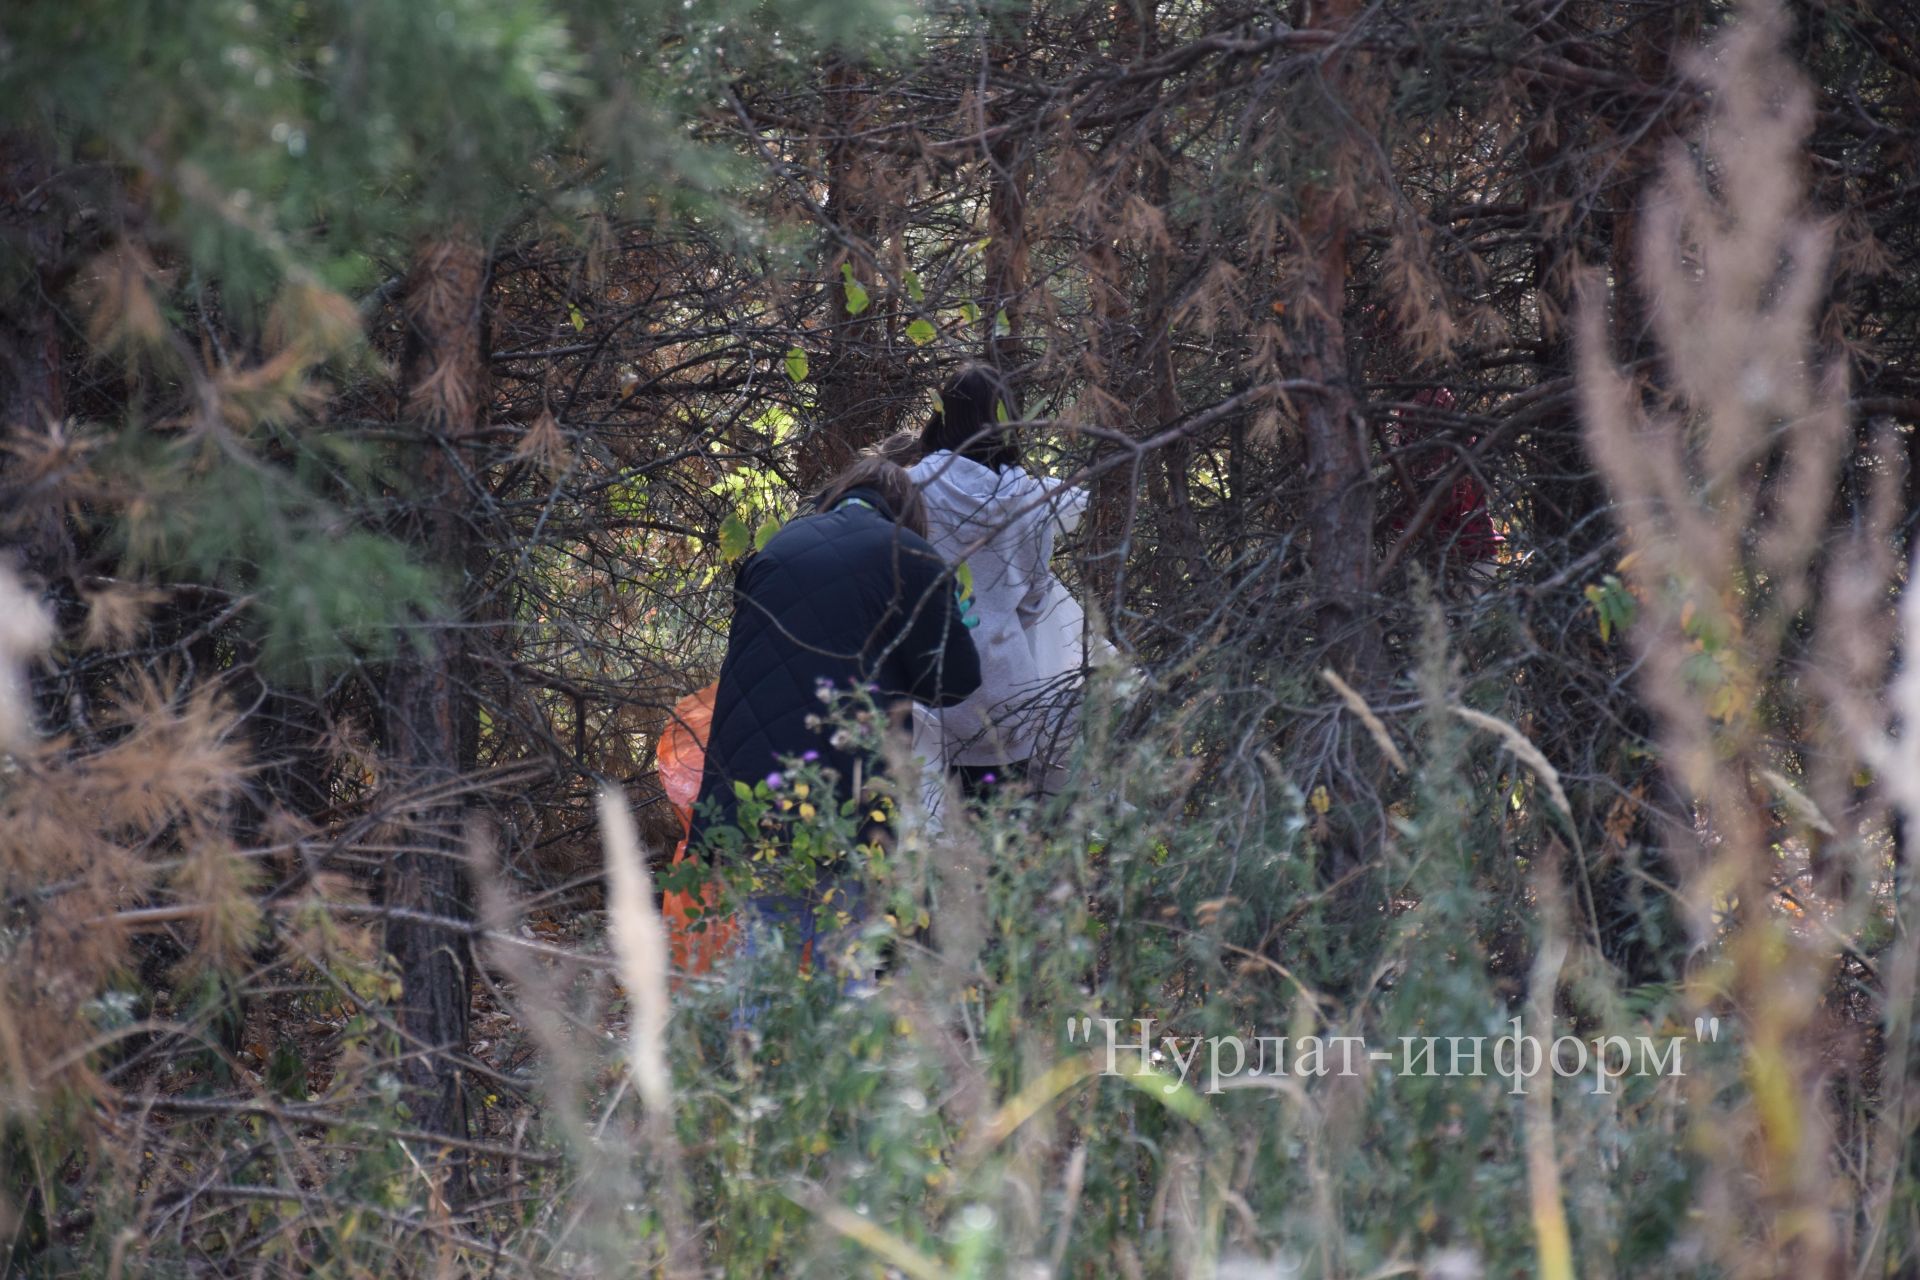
column 985, row 511
column 843, row 598
column 1002, row 525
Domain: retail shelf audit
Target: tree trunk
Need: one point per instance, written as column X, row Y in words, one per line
column 428, row 694
column 1116, row 388
column 1187, row 579
column 1010, row 167
column 1339, row 465
column 1112, row 507
column 860, row 398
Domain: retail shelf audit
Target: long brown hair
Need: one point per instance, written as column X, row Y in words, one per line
column 889, row 481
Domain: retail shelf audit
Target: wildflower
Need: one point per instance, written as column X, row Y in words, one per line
column 776, row 780
column 810, row 756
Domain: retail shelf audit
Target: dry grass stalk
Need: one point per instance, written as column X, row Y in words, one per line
column 1552, row 1241
column 640, row 945
column 1358, row 705
column 1524, row 751
column 1724, row 475
column 640, row 948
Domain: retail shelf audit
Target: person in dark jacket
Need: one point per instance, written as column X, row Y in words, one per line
column 850, row 596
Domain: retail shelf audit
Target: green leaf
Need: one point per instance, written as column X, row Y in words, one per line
column 963, row 579
column 764, row 534
column 980, row 245
column 857, row 299
column 1000, row 414
column 920, row 333
column 579, row 320
column 741, row 791
column 1002, row 326
column 915, row 290
column 1598, row 600
column 796, row 364
column 970, row 313
column 733, row 537
column 1613, row 606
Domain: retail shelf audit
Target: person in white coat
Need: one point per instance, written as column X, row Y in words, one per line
column 986, row 512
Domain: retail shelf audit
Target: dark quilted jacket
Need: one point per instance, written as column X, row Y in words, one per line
column 843, row 596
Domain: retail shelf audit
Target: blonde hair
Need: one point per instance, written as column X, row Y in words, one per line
column 902, row 448
column 889, row 481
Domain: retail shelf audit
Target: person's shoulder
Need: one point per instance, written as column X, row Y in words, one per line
column 915, row 555
column 879, row 532
column 914, row 544
column 805, row 527
column 796, row 539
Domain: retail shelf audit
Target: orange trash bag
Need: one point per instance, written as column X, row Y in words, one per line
column 680, row 757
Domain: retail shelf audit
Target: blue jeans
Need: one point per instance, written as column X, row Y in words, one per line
column 782, row 923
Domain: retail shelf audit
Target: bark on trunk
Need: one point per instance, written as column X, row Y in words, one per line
column 1187, row 575
column 1339, row 467
column 860, row 395
column 428, row 694
column 1010, row 167
column 1339, row 464
column 1115, row 491
column 1115, row 366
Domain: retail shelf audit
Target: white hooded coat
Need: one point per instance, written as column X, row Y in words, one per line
column 1002, row 525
